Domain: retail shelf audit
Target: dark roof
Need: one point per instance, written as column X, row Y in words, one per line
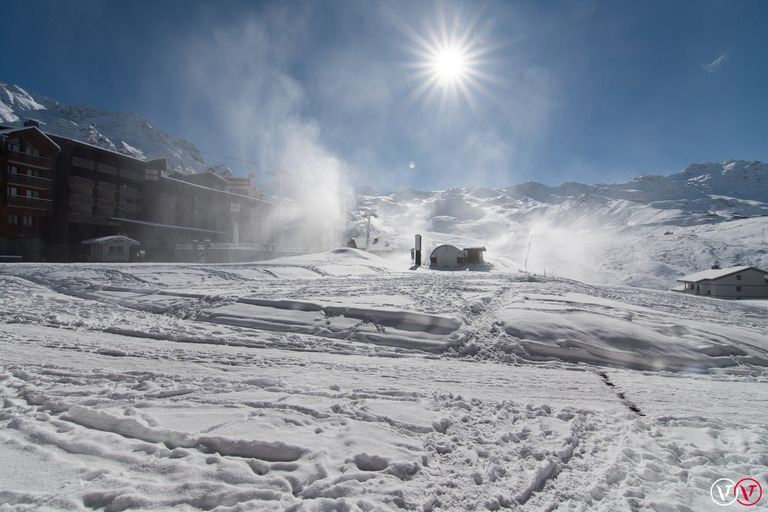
column 9, row 131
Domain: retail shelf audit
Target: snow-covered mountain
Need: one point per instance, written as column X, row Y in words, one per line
column 127, row 133
column 646, row 232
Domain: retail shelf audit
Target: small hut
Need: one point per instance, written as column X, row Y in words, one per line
column 448, row 256
column 475, row 255
column 111, row 249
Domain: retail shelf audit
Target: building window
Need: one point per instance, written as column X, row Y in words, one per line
column 738, row 277
column 31, row 150
column 13, row 219
column 738, row 289
column 13, row 191
column 13, row 169
column 27, row 221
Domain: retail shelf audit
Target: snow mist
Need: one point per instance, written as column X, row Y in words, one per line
column 241, row 80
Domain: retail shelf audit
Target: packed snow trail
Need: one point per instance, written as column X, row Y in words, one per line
column 120, row 391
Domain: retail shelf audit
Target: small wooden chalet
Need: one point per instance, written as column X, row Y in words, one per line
column 111, row 249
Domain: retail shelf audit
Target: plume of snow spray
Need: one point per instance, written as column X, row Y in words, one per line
column 241, row 80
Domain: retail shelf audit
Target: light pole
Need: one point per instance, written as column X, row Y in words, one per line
column 280, row 173
column 368, row 216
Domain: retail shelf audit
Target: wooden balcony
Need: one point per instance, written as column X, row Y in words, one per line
column 34, row 203
column 30, row 181
column 80, row 204
column 129, row 207
column 39, row 162
column 131, row 175
column 77, row 181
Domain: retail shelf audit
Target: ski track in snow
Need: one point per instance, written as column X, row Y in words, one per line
column 341, row 382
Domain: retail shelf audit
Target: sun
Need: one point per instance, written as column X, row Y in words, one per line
column 451, row 59
column 450, row 65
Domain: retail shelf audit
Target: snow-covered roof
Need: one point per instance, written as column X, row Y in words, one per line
column 715, row 273
column 107, row 239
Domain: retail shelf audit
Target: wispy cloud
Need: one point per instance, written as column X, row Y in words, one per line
column 715, row 64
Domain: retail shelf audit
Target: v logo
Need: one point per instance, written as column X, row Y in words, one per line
column 744, row 491
column 724, row 495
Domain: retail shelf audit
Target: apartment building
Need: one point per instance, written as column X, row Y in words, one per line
column 27, row 187
column 57, row 192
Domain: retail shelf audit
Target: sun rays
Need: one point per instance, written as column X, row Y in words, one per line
column 451, row 55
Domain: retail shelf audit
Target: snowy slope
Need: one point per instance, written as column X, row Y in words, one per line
column 343, row 381
column 646, row 232
column 127, row 133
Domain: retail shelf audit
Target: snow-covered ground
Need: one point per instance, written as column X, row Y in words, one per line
column 342, row 381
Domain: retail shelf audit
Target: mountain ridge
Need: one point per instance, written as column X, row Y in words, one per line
column 126, row 132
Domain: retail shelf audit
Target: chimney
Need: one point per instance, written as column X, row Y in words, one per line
column 31, row 122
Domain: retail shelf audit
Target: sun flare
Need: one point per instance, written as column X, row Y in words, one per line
column 452, row 59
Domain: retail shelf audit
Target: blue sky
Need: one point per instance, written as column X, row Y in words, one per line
column 549, row 91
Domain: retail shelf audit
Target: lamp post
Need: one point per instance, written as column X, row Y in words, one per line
column 280, row 173
column 368, row 216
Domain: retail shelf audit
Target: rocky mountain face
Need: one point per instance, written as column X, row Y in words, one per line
column 127, row 133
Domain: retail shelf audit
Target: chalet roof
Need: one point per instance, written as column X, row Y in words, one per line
column 716, row 273
column 34, row 129
column 107, row 239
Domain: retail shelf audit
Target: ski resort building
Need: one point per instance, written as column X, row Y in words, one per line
column 727, row 283
column 66, row 200
column 27, row 172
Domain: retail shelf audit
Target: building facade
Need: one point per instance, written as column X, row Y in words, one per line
column 727, row 283
column 57, row 192
column 27, row 189
column 96, row 189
